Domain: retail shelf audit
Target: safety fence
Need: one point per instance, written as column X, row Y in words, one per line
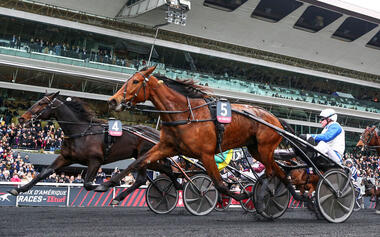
column 74, row 195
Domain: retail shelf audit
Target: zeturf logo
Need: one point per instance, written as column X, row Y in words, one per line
column 4, row 197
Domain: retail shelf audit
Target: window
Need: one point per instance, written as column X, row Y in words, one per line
column 314, row 19
column 274, row 10
column 352, row 28
column 225, row 5
column 375, row 41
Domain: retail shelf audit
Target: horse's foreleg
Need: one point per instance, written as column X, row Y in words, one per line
column 140, row 180
column 59, row 162
column 155, row 154
column 92, row 169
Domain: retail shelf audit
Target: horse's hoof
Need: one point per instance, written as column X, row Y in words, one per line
column 13, row 192
column 101, row 188
column 115, row 202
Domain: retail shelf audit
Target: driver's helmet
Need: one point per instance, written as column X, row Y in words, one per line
column 349, row 161
column 329, row 113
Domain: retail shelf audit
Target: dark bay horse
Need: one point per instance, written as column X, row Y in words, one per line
column 191, row 130
column 84, row 142
column 370, row 138
column 371, row 190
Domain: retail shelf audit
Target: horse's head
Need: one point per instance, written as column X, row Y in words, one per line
column 367, row 137
column 368, row 185
column 133, row 91
column 40, row 110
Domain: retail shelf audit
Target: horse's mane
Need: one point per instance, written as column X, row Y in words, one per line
column 186, row 87
column 82, row 110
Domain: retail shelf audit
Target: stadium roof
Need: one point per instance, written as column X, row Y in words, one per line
column 326, row 31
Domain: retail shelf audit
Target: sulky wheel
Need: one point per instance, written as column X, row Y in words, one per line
column 161, row 195
column 200, row 195
column 223, row 202
column 275, row 197
column 247, row 204
column 336, row 206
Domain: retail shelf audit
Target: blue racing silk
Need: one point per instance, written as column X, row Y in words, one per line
column 331, row 133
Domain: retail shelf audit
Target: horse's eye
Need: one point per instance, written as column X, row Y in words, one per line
column 135, row 81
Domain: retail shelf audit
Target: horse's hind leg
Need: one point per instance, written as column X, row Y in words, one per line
column 167, row 170
column 158, row 152
column 59, row 162
column 140, row 180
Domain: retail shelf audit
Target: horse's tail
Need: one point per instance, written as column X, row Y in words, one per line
column 287, row 127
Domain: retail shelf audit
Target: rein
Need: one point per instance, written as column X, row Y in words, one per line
column 178, row 122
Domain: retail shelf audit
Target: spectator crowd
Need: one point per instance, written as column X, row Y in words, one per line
column 48, row 137
column 367, row 166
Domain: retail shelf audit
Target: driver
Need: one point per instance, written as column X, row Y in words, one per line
column 331, row 141
column 354, row 172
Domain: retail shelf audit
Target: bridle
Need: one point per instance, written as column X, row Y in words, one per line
column 50, row 106
column 372, row 133
column 129, row 104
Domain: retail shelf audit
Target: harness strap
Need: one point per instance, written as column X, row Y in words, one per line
column 183, row 122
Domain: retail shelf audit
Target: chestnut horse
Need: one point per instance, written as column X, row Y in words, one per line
column 370, row 138
column 304, row 181
column 84, row 142
column 189, row 129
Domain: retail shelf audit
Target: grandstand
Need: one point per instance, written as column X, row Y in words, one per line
column 294, row 58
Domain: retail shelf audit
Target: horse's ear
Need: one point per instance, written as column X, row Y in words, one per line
column 55, row 94
column 150, row 70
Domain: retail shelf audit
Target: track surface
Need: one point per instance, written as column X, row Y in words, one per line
column 67, row 221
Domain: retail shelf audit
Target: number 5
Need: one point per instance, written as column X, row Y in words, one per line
column 223, row 109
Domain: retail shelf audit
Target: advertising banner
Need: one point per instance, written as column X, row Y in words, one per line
column 80, row 197
column 43, row 196
column 6, row 199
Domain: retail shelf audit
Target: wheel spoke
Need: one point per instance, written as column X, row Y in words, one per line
column 347, row 209
column 332, row 210
column 279, row 206
column 210, row 201
column 346, row 185
column 151, row 195
column 246, row 201
column 346, row 192
column 200, row 205
column 267, row 206
column 208, row 187
column 194, row 189
column 324, row 198
column 167, row 203
column 200, row 186
column 158, row 204
column 172, row 195
column 339, row 181
column 283, row 191
column 167, row 188
column 191, row 200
